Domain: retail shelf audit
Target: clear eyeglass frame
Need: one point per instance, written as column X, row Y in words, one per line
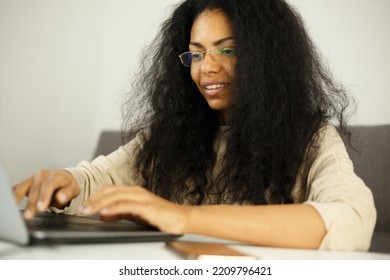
column 219, row 54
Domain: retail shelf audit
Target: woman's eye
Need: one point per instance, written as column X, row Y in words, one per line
column 196, row 56
column 227, row 51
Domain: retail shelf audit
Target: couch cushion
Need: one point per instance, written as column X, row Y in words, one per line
column 108, row 142
column 372, row 164
column 380, row 242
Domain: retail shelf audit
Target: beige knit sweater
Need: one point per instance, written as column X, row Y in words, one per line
column 341, row 198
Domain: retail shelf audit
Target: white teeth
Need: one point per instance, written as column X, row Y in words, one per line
column 215, row 86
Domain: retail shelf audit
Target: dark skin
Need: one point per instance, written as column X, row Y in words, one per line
column 46, row 188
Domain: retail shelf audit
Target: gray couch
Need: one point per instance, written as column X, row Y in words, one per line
column 108, row 142
column 371, row 162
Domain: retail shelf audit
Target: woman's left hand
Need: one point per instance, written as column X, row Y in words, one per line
column 138, row 204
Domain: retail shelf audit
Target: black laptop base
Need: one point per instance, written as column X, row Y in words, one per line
column 50, row 228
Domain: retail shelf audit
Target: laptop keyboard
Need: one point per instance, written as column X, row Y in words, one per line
column 54, row 222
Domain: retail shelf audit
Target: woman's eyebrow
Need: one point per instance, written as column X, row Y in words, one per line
column 216, row 43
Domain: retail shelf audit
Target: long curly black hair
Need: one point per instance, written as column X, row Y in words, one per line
column 283, row 95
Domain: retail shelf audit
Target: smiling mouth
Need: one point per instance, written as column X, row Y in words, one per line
column 215, row 86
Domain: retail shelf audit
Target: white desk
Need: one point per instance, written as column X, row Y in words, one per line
column 158, row 251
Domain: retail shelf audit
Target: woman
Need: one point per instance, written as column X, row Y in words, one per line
column 234, row 142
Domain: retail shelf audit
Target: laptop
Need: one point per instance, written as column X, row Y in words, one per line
column 51, row 228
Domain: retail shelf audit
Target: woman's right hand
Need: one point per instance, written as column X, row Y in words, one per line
column 46, row 188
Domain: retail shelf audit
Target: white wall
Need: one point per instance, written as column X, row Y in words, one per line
column 354, row 36
column 65, row 65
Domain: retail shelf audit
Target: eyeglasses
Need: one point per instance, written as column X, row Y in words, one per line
column 218, row 54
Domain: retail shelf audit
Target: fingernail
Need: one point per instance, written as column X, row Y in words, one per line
column 86, row 211
column 40, row 206
column 105, row 211
column 27, row 214
column 62, row 197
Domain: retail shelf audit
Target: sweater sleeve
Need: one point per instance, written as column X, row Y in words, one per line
column 117, row 168
column 342, row 199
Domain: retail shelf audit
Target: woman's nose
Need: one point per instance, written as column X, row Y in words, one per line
column 210, row 64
